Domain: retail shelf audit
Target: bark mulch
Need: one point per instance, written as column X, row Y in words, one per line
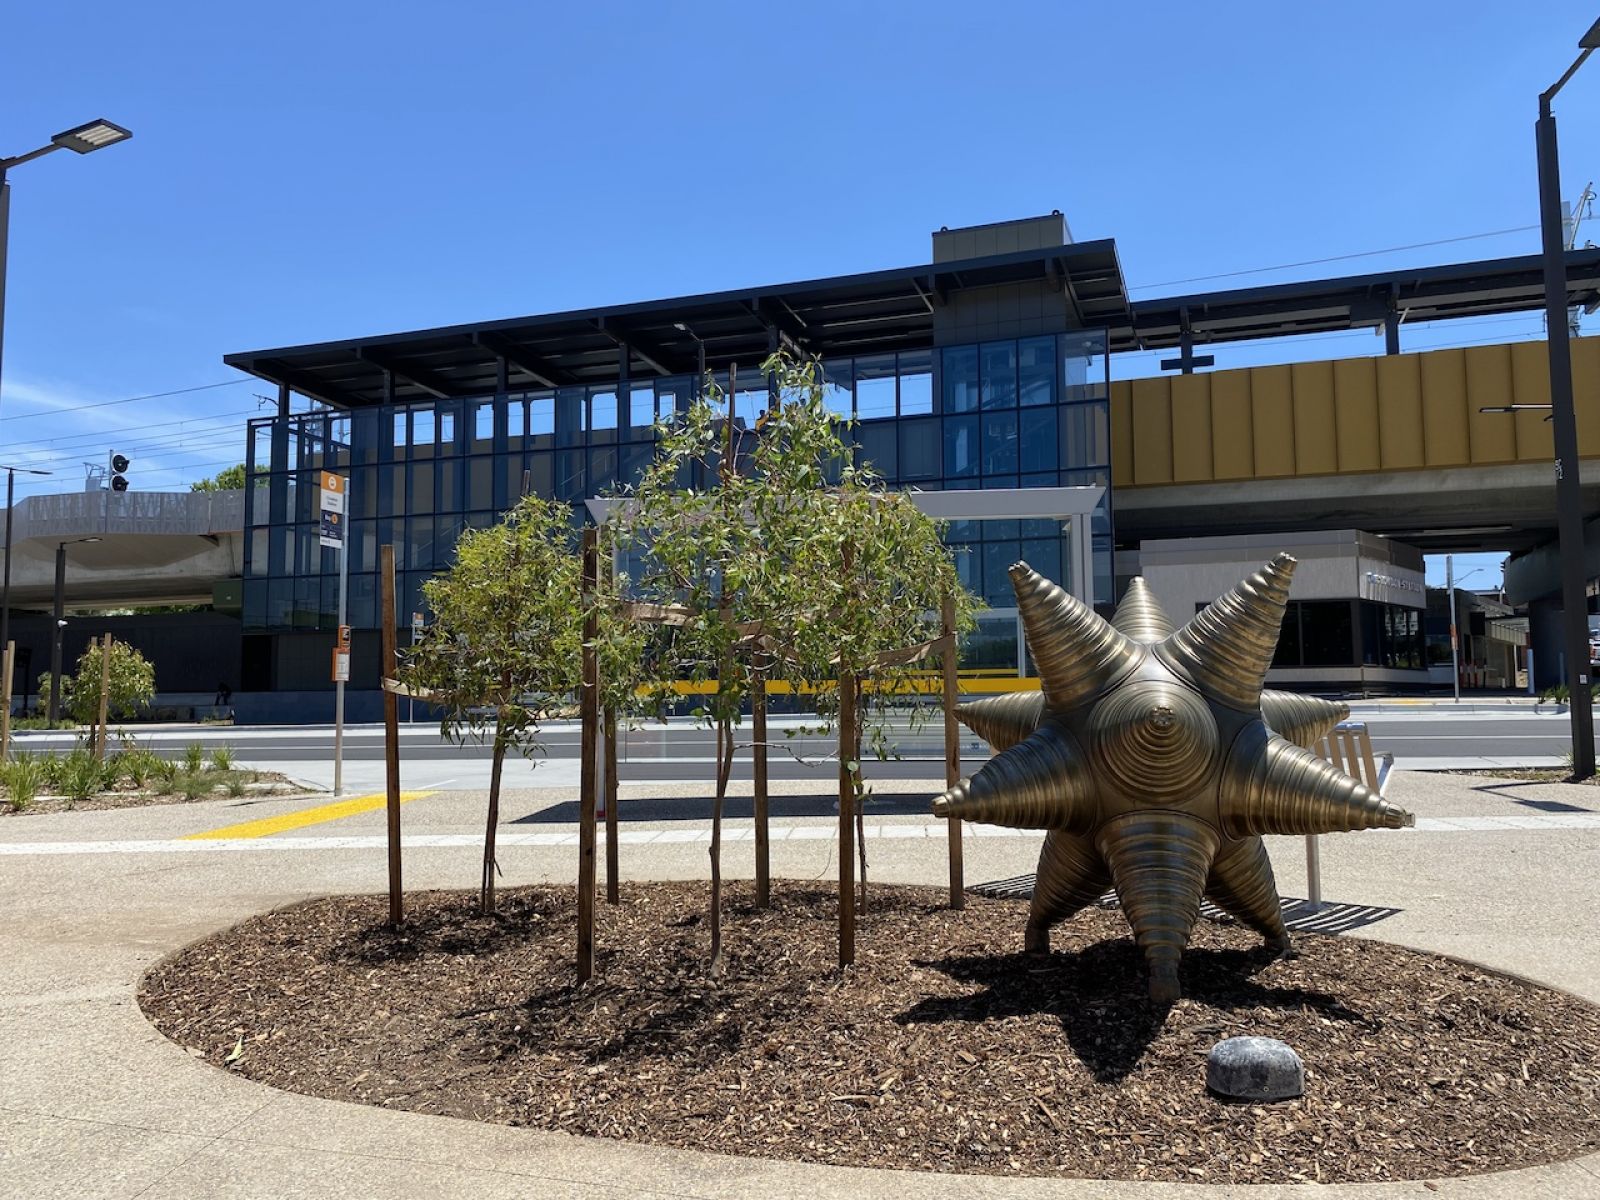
column 943, row 1049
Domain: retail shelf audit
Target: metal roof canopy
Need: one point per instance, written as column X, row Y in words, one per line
column 882, row 311
column 1358, row 301
column 844, row 315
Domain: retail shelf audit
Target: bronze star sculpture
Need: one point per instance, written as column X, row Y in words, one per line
column 1147, row 755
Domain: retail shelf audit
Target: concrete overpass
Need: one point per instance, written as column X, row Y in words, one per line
column 155, row 548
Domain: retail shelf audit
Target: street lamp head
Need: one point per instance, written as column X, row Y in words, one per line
column 96, row 135
column 1590, row 40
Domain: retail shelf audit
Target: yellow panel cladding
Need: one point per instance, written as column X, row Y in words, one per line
column 1191, row 429
column 1233, row 454
column 1493, row 436
column 1586, row 394
column 1316, row 433
column 1530, row 384
column 1152, row 431
column 1272, row 421
column 1122, row 433
column 1355, row 413
column 1444, row 408
column 1399, row 412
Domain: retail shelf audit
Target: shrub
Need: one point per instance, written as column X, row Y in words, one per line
column 233, row 783
column 166, row 775
column 133, row 684
column 222, row 758
column 192, row 785
column 194, row 757
column 139, row 766
column 81, row 776
column 21, row 778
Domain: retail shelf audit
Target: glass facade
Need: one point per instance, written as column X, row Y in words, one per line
column 1351, row 633
column 1029, row 412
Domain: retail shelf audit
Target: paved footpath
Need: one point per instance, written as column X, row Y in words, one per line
column 94, row 1103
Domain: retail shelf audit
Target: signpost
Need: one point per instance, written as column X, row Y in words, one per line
column 332, row 535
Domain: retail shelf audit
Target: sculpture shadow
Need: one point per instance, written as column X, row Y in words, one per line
column 741, row 808
column 1100, row 996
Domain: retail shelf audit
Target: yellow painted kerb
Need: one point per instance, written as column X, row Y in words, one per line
column 305, row 816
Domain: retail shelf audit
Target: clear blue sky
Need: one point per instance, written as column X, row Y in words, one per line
column 302, row 172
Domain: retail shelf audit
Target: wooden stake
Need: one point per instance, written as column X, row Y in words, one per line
column 9, row 661
column 391, row 729
column 847, row 828
column 758, row 753
column 589, row 709
column 100, row 729
column 952, row 746
column 847, row 797
column 613, row 882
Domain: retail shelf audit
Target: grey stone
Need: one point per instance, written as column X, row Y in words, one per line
column 1254, row 1068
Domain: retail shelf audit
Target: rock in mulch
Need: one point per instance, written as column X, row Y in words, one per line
column 944, row 1049
column 1255, row 1068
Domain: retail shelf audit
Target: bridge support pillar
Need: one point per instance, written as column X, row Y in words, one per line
column 1545, row 641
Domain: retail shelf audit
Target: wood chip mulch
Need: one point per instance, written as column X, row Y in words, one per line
column 943, row 1049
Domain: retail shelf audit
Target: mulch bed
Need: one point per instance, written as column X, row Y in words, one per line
column 943, row 1049
column 270, row 785
column 1529, row 775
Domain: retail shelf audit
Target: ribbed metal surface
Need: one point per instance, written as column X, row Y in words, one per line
column 1303, row 720
column 1159, row 863
column 1077, row 652
column 1042, row 783
column 1153, row 740
column 1003, row 721
column 1228, row 647
column 1241, row 884
column 1271, row 785
column 1139, row 616
column 1072, row 876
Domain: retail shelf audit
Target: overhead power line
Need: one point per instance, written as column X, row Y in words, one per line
column 1313, row 262
column 56, row 412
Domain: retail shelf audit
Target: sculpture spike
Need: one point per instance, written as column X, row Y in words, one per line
column 1228, row 647
column 1303, row 720
column 1139, row 616
column 1003, row 721
column 1077, row 652
column 1270, row 785
column 1241, row 884
column 1071, row 876
column 1040, row 783
column 1159, row 863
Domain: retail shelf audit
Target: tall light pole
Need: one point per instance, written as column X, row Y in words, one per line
column 1569, row 498
column 83, row 139
column 60, row 624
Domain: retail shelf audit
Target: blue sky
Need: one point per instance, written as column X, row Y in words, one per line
column 302, row 172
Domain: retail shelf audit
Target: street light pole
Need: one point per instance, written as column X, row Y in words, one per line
column 1455, row 654
column 1569, row 497
column 11, row 491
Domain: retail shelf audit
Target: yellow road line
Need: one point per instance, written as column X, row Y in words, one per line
column 338, row 810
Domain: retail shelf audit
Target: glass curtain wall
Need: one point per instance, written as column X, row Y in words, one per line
column 1028, row 412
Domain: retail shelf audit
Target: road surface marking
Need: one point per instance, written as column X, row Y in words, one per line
column 267, row 826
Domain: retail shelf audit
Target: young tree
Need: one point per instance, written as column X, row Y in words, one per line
column 230, row 477
column 133, row 684
column 505, row 641
column 743, row 535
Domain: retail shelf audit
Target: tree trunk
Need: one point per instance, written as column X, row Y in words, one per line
column 724, row 770
column 486, row 893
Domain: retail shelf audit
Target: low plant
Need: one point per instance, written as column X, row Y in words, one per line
column 222, row 758
column 194, row 757
column 192, row 785
column 139, row 766
column 233, row 783
column 81, row 776
column 166, row 775
column 21, row 777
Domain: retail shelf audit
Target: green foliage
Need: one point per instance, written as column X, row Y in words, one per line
column 192, row 785
column 222, row 758
column 166, row 775
column 231, row 477
column 81, row 776
column 22, row 777
column 132, row 684
column 194, row 757
column 139, row 765
column 505, row 640
column 233, row 782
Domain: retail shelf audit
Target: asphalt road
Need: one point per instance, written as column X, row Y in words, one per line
column 682, row 751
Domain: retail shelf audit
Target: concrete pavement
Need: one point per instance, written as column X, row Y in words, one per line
column 94, row 1103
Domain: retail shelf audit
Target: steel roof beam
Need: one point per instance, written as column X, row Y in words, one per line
column 540, row 370
column 413, row 373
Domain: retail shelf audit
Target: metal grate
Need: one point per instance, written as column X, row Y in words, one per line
column 1298, row 915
